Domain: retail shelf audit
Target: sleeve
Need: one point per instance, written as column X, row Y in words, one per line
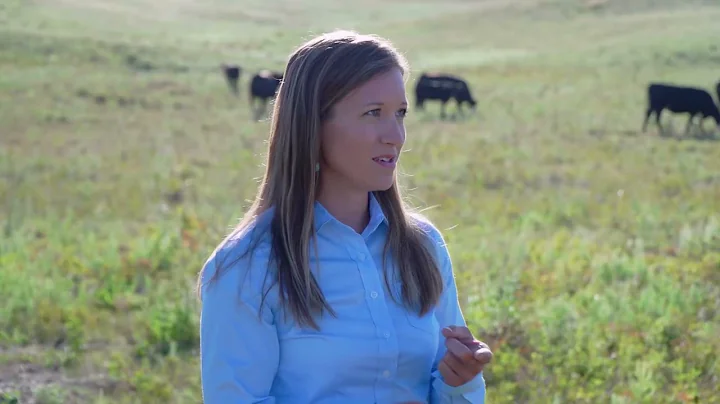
column 239, row 351
column 448, row 312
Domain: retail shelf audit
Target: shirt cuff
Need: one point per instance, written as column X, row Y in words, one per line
column 476, row 384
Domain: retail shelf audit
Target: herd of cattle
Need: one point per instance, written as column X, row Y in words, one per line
column 694, row 101
column 441, row 87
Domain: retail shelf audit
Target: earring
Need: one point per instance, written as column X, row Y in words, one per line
column 317, row 167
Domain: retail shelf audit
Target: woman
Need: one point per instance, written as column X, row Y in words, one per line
column 299, row 305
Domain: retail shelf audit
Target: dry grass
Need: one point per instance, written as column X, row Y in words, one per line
column 588, row 253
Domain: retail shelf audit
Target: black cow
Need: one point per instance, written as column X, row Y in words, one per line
column 442, row 87
column 264, row 86
column 232, row 75
column 694, row 101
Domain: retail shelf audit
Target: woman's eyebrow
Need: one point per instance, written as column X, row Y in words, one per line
column 382, row 103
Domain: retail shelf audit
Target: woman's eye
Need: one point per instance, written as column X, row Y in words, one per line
column 374, row 112
column 402, row 113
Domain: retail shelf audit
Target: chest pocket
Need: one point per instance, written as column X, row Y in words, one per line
column 342, row 287
column 426, row 323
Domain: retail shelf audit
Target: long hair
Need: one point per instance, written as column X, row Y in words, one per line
column 318, row 74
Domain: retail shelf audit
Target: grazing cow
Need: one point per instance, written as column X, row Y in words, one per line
column 264, row 86
column 694, row 101
column 232, row 75
column 442, row 87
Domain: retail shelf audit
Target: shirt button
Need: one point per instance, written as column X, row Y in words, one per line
column 386, row 373
column 386, row 335
column 374, row 294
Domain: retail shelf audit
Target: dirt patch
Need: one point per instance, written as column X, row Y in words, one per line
column 32, row 382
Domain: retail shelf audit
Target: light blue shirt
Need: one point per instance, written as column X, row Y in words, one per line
column 373, row 351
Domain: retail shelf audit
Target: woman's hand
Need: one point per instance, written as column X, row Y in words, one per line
column 465, row 356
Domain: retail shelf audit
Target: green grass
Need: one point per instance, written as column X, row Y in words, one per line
column 588, row 253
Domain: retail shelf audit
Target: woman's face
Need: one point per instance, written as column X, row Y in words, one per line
column 363, row 135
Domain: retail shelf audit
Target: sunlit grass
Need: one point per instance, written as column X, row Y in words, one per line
column 587, row 252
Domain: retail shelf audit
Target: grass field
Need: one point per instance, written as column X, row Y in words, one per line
column 587, row 252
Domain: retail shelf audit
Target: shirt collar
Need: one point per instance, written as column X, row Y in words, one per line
column 377, row 216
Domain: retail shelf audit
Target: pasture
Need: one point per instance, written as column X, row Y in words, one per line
column 587, row 252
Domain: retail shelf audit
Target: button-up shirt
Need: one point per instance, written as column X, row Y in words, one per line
column 373, row 351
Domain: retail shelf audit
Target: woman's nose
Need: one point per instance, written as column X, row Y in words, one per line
column 394, row 134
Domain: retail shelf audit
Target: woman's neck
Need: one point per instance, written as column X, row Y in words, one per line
column 350, row 208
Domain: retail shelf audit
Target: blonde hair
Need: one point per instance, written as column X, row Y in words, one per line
column 318, row 74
